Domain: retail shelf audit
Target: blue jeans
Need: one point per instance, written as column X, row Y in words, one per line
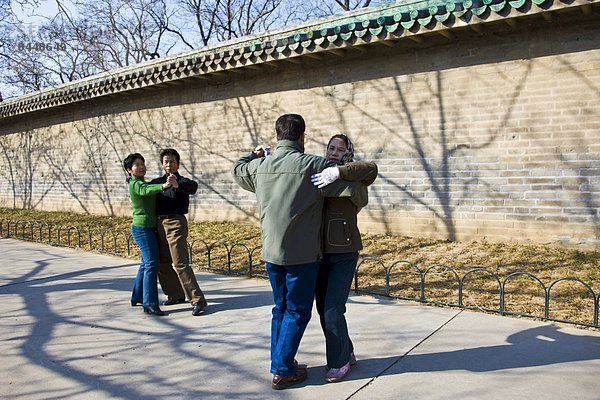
column 333, row 287
column 144, row 288
column 293, row 293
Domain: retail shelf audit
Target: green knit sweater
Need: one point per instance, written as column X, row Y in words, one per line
column 143, row 202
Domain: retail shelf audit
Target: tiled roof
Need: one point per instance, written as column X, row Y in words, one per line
column 398, row 21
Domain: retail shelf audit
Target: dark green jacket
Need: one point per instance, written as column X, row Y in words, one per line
column 340, row 228
column 289, row 205
column 143, row 202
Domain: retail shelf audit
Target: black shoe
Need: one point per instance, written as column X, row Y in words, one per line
column 135, row 303
column 172, row 302
column 199, row 307
column 154, row 310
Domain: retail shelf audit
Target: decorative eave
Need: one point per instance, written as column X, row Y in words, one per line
column 385, row 25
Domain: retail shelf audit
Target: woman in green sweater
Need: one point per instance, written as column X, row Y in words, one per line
column 143, row 230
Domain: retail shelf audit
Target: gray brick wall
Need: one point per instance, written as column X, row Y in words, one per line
column 495, row 136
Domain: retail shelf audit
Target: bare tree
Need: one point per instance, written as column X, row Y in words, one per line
column 34, row 56
column 4, row 10
column 311, row 9
column 102, row 36
column 204, row 14
column 132, row 31
column 48, row 56
column 348, row 5
column 243, row 17
column 23, row 62
column 87, row 37
column 6, row 20
column 219, row 20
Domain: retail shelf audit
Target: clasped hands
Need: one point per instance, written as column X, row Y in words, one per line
column 172, row 181
column 262, row 150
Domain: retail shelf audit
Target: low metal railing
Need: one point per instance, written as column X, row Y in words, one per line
column 438, row 284
column 496, row 287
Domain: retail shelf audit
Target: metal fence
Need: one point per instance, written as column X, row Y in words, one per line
column 400, row 280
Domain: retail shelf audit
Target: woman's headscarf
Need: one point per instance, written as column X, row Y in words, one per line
column 349, row 155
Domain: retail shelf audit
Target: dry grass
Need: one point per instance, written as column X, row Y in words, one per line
column 404, row 258
column 569, row 300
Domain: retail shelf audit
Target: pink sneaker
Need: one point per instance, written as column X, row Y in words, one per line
column 337, row 374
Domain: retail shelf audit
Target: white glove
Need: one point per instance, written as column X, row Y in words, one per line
column 325, row 177
column 262, row 150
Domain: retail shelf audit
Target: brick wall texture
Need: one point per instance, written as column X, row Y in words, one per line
column 489, row 136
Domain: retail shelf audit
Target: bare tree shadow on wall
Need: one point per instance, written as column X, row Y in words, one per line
column 436, row 155
column 88, row 167
column 86, row 162
column 60, row 160
column 583, row 174
column 208, row 157
column 22, row 153
column 585, row 171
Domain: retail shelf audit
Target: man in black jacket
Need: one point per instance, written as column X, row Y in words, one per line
column 176, row 276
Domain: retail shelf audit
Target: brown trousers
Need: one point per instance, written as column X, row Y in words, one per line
column 176, row 277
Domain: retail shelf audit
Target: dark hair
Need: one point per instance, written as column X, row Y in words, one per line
column 169, row 152
column 129, row 160
column 290, row 127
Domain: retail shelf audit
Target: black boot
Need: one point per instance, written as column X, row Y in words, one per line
column 154, row 310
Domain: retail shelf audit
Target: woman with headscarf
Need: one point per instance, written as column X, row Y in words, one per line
column 341, row 243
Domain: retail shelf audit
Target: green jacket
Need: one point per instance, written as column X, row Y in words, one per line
column 289, row 205
column 340, row 228
column 143, row 202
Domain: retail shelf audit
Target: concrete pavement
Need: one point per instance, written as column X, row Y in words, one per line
column 67, row 331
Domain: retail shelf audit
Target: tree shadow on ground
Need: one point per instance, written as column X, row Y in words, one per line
column 54, row 310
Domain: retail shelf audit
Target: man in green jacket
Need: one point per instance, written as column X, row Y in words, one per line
column 290, row 210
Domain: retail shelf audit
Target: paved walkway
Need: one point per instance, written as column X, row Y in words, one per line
column 67, row 331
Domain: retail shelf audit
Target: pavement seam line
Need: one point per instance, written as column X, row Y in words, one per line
column 404, row 355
